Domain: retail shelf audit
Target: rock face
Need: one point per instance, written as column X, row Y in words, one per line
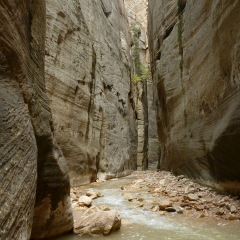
column 154, row 152
column 33, row 169
column 148, row 144
column 194, row 49
column 88, row 73
column 137, row 17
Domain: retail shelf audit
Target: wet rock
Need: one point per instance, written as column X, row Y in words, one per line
column 231, row 217
column 161, row 213
column 233, row 209
column 172, row 194
column 131, row 198
column 74, row 205
column 93, row 195
column 170, row 209
column 99, row 194
column 192, row 197
column 147, row 207
column 126, row 222
column 104, row 208
column 157, row 190
column 164, row 204
column 85, row 201
column 162, row 182
column 220, row 212
column 180, row 210
column 199, row 207
column 96, row 222
column 202, row 215
column 138, row 181
column 155, row 208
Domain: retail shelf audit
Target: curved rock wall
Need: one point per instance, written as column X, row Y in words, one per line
column 194, row 49
column 32, row 167
column 88, row 73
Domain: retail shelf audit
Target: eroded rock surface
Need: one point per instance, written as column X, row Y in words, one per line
column 88, row 73
column 194, row 49
column 32, row 170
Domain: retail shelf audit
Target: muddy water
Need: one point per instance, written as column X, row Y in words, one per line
column 146, row 225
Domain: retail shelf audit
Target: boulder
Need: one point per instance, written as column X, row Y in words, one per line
column 85, row 201
column 91, row 194
column 96, row 222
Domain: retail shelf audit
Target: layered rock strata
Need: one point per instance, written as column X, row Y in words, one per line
column 88, row 72
column 147, row 136
column 194, row 48
column 32, row 167
column 154, row 152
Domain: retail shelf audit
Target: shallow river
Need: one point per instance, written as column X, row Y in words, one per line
column 147, row 225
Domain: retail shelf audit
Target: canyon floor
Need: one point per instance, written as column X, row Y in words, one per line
column 157, row 197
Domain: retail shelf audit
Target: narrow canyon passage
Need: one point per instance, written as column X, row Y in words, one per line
column 136, row 198
column 119, row 109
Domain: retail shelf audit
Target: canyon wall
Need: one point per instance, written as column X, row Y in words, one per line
column 147, row 151
column 195, row 49
column 33, row 171
column 88, row 79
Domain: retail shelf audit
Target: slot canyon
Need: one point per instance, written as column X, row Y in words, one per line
column 119, row 117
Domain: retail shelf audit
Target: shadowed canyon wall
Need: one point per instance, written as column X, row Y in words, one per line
column 32, row 168
column 194, row 48
column 88, row 79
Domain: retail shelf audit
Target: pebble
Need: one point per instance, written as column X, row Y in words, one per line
column 192, row 197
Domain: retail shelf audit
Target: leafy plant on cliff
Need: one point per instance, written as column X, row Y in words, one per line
column 141, row 71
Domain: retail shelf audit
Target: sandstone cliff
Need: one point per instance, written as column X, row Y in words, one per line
column 148, row 144
column 88, row 79
column 32, row 167
column 194, row 47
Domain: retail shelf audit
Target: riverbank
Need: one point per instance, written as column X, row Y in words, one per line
column 164, row 193
column 182, row 195
column 138, row 198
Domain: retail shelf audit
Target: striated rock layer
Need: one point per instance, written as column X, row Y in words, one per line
column 88, row 72
column 137, row 17
column 32, row 168
column 194, row 49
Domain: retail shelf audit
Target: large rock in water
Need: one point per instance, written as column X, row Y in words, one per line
column 95, row 222
column 195, row 58
column 32, row 169
column 88, row 73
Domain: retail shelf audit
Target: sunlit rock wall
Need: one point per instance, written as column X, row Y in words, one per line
column 88, row 78
column 32, row 167
column 194, row 48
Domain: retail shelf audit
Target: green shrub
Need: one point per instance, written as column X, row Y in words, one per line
column 136, row 78
column 142, row 72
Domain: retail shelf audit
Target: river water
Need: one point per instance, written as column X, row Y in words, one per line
column 147, row 225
